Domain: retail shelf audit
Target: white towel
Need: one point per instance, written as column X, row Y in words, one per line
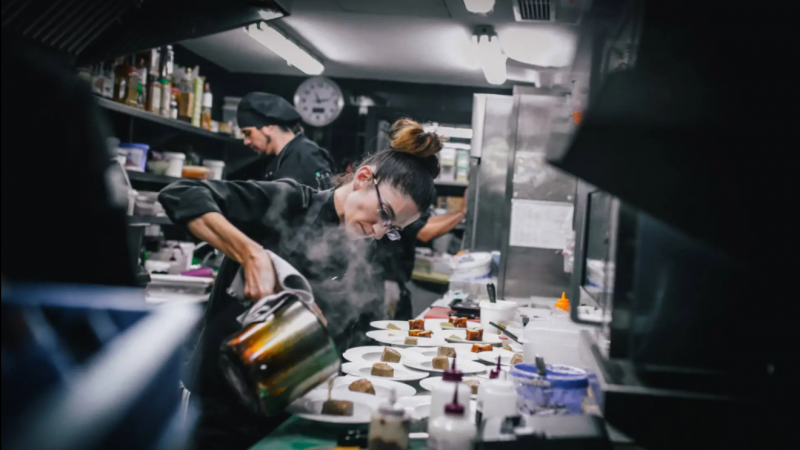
column 291, row 282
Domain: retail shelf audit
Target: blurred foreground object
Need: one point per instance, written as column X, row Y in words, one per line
column 87, row 367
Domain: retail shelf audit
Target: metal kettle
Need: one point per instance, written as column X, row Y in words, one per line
column 273, row 362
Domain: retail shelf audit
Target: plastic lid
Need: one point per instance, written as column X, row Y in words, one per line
column 173, row 155
column 563, row 302
column 213, row 163
column 144, row 147
column 452, row 374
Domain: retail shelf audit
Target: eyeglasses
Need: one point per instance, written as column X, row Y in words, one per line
column 394, row 233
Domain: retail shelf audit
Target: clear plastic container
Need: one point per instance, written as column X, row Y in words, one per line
column 561, row 392
column 555, row 339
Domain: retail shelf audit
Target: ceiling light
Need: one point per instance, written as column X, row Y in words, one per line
column 479, row 6
column 491, row 56
column 285, row 48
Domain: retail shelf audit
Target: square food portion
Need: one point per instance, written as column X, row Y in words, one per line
column 473, row 385
column 475, row 335
column 416, row 324
column 516, row 359
column 390, row 355
column 481, row 348
column 337, row 408
column 441, row 363
column 458, row 322
column 420, row 333
column 450, row 352
column 362, row 385
column 382, row 370
column 410, row 341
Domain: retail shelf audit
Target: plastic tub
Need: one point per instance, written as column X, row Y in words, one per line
column 196, row 172
column 553, row 339
column 502, row 311
column 472, row 266
column 216, row 168
column 561, row 392
column 176, row 162
column 135, row 155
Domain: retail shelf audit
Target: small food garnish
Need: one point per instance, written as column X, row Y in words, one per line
column 390, row 355
column 441, row 363
column 362, row 385
column 450, row 352
column 392, row 326
column 337, row 408
column 416, row 324
column 446, row 325
column 382, row 370
column 410, row 341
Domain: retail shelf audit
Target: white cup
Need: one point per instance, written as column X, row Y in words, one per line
column 502, row 311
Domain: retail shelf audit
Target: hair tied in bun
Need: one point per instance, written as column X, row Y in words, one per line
column 408, row 136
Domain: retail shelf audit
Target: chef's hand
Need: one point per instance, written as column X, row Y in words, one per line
column 259, row 274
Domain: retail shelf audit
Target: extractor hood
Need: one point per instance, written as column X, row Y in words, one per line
column 89, row 31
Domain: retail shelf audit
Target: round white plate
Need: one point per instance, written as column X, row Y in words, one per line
column 447, row 335
column 383, row 388
column 463, row 351
column 384, row 324
column 419, row 407
column 401, row 373
column 491, row 357
column 397, row 339
column 370, row 354
column 431, row 382
column 310, row 407
column 427, row 365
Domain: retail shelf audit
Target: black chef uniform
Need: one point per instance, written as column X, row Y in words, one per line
column 299, row 224
column 397, row 260
column 301, row 160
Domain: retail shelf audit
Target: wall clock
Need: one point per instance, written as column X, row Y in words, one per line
column 319, row 101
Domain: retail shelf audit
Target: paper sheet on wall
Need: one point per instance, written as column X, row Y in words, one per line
column 540, row 224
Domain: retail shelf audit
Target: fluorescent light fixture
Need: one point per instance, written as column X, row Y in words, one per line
column 457, row 146
column 450, row 132
column 479, row 6
column 284, row 47
column 491, row 56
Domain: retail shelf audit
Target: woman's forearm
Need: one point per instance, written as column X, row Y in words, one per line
column 215, row 229
column 439, row 225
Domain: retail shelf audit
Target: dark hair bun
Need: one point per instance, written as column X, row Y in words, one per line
column 407, row 136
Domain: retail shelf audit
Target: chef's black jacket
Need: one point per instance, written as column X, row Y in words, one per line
column 301, row 160
column 299, row 224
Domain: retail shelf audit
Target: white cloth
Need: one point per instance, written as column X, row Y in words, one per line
column 291, row 283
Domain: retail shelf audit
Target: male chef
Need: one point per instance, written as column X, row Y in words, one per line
column 271, row 126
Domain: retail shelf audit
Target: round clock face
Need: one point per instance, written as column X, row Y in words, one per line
column 319, row 101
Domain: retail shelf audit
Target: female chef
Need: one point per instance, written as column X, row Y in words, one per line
column 321, row 233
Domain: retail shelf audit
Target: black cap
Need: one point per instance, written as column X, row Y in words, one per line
column 259, row 109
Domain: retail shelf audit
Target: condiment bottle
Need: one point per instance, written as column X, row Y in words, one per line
column 442, row 392
column 186, row 103
column 493, row 375
column 389, row 428
column 167, row 67
column 499, row 399
column 208, row 103
column 453, row 430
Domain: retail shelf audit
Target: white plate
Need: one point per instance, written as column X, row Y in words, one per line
column 491, row 357
column 310, row 407
column 427, row 365
column 419, row 407
column 370, row 354
column 401, row 373
column 464, row 352
column 383, row 388
column 397, row 339
column 431, row 382
column 488, row 338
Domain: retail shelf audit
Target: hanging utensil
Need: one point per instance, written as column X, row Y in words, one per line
column 492, row 292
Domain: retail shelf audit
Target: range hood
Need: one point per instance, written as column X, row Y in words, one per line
column 90, row 31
